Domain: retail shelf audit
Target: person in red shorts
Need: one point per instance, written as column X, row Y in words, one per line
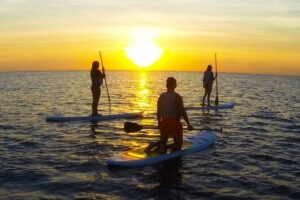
column 170, row 109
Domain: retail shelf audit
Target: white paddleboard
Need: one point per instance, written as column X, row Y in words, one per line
column 94, row 118
column 212, row 107
column 196, row 142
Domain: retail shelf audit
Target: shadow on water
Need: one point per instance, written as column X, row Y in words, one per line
column 206, row 118
column 168, row 174
column 166, row 179
column 169, row 178
column 94, row 126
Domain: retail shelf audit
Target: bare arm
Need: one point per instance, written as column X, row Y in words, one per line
column 159, row 109
column 102, row 74
column 186, row 119
column 214, row 77
column 184, row 114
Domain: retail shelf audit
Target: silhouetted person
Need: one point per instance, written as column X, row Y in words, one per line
column 170, row 109
column 208, row 80
column 97, row 79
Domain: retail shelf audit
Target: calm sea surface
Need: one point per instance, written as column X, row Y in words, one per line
column 256, row 157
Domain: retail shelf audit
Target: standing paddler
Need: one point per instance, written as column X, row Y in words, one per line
column 97, row 79
column 208, row 80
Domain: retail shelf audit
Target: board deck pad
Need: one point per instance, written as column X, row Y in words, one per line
column 140, row 153
column 194, row 142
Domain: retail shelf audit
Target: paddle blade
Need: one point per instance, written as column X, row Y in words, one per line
column 130, row 127
column 217, row 101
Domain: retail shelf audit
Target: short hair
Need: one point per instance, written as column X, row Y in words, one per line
column 171, row 82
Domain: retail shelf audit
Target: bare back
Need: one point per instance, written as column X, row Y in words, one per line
column 170, row 105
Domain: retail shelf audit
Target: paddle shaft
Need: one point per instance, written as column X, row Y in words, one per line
column 197, row 129
column 217, row 96
column 103, row 70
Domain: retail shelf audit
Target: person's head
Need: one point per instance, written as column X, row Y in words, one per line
column 95, row 65
column 171, row 83
column 209, row 68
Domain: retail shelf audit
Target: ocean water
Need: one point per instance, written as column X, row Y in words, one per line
column 256, row 156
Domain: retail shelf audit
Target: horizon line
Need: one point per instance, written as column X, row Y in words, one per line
column 138, row 70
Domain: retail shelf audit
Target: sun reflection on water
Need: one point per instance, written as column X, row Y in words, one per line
column 143, row 92
column 145, row 102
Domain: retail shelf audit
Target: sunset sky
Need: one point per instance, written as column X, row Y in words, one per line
column 257, row 36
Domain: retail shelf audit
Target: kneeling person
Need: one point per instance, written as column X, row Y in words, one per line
column 170, row 109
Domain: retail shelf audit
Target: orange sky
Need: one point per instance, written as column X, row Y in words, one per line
column 250, row 37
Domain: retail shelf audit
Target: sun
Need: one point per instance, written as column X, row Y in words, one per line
column 144, row 51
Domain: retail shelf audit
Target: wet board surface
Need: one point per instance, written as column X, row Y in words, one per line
column 196, row 142
column 93, row 118
column 212, row 107
column 140, row 153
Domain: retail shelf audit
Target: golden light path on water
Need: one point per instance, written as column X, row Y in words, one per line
column 145, row 102
column 143, row 92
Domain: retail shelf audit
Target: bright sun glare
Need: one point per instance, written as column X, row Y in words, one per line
column 144, row 52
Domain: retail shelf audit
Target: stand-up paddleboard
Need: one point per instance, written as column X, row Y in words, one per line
column 94, row 118
column 137, row 157
column 219, row 107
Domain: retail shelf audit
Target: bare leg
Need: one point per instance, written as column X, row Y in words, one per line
column 178, row 140
column 203, row 99
column 163, row 142
column 208, row 99
column 96, row 95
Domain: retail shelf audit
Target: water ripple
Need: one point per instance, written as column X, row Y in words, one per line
column 256, row 156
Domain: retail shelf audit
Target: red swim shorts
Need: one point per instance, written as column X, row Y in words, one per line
column 171, row 127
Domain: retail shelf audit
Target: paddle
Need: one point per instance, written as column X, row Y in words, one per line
column 217, row 97
column 103, row 70
column 130, row 127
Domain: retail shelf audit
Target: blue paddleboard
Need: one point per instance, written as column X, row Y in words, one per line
column 196, row 142
column 212, row 107
column 94, row 118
